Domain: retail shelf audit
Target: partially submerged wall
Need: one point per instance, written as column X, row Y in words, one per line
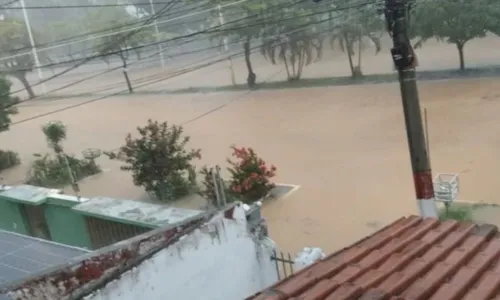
column 220, row 260
column 215, row 256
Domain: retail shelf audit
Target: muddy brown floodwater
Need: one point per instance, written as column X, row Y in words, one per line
column 345, row 146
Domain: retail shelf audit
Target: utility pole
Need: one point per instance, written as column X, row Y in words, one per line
column 74, row 184
column 405, row 61
column 157, row 33
column 33, row 46
column 226, row 47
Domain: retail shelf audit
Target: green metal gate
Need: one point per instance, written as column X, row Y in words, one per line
column 103, row 232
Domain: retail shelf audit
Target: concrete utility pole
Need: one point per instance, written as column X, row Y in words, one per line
column 157, row 33
column 405, row 62
column 74, row 184
column 226, row 47
column 33, row 46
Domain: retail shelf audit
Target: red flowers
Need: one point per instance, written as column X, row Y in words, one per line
column 250, row 175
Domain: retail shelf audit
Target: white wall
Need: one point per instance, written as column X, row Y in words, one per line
column 220, row 261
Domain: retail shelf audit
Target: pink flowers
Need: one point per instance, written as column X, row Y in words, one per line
column 250, row 175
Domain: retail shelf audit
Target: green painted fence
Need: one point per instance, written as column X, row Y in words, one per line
column 85, row 223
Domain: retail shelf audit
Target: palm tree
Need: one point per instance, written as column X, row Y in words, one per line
column 354, row 29
column 295, row 50
column 295, row 42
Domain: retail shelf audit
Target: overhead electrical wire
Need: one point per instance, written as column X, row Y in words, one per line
column 83, row 5
column 169, row 76
column 90, row 33
column 140, row 80
column 205, row 31
column 123, row 30
column 8, row 3
column 87, row 59
column 109, row 46
column 107, row 71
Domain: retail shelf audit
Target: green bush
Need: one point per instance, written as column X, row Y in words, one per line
column 8, row 159
column 207, row 191
column 159, row 160
column 49, row 171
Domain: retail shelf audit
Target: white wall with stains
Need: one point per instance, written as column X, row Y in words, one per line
column 220, row 261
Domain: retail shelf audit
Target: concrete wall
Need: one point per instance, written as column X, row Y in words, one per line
column 221, row 260
column 12, row 217
column 65, row 225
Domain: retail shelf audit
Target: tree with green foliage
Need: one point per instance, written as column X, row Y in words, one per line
column 65, row 30
column 159, row 160
column 7, row 102
column 243, row 22
column 55, row 133
column 453, row 21
column 14, row 36
column 116, row 42
column 353, row 29
column 63, row 169
column 7, row 109
column 294, row 40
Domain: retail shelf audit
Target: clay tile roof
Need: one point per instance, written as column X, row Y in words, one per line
column 411, row 259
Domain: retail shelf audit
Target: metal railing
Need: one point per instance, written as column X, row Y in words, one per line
column 103, row 232
column 284, row 264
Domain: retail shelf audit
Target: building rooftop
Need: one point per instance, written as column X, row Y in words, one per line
column 22, row 256
column 81, row 276
column 135, row 212
column 27, row 194
column 412, row 258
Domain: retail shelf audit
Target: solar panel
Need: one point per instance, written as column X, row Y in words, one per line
column 22, row 256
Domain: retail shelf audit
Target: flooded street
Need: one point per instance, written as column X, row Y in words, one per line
column 345, row 146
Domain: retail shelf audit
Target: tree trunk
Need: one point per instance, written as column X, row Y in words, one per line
column 21, row 76
column 460, row 47
column 349, row 54
column 251, row 75
column 357, row 70
column 125, row 74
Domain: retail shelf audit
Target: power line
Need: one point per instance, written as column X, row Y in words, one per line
column 8, row 3
column 81, row 80
column 82, row 6
column 206, row 31
column 170, row 76
column 85, row 60
column 122, row 31
column 108, row 47
column 76, row 82
column 114, row 33
column 90, row 33
column 159, row 42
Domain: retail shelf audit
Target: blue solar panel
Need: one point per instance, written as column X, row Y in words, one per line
column 22, row 256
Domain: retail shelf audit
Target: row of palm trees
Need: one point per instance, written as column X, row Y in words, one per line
column 295, row 35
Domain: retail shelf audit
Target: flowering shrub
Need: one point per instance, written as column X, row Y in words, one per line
column 250, row 176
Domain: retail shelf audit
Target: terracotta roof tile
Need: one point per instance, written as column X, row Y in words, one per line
column 411, row 259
